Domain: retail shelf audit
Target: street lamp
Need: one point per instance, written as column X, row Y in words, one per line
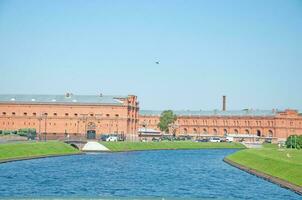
column 39, row 134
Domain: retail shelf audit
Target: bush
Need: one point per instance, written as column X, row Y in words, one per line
column 294, row 141
column 7, row 132
column 30, row 133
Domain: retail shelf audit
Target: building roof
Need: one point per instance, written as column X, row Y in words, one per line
column 61, row 99
column 250, row 112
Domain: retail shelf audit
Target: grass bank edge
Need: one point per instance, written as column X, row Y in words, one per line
column 22, row 150
column 141, row 146
column 285, row 164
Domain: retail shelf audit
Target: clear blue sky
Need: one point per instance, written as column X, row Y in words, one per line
column 249, row 50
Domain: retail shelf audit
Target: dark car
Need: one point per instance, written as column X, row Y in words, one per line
column 203, row 140
column 155, row 139
column 166, row 138
column 104, row 137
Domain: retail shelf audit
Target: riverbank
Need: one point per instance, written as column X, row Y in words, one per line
column 280, row 166
column 141, row 146
column 31, row 150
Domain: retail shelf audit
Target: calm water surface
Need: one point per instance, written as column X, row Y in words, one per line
column 185, row 174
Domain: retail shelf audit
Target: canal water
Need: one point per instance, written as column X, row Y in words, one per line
column 181, row 174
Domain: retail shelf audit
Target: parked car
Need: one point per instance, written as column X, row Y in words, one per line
column 186, row 137
column 104, row 137
column 155, row 139
column 229, row 139
column 214, row 139
column 166, row 138
column 203, row 140
column 112, row 139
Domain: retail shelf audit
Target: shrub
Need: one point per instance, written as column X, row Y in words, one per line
column 7, row 132
column 30, row 133
column 294, row 141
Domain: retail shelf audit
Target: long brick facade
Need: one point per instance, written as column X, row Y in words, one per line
column 82, row 116
column 55, row 117
column 266, row 124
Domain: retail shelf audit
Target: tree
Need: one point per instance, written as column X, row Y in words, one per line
column 294, row 141
column 167, row 117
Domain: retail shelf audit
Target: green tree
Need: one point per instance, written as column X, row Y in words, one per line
column 167, row 117
column 294, row 141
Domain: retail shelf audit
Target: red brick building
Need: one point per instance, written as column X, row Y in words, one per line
column 89, row 116
column 58, row 116
column 262, row 124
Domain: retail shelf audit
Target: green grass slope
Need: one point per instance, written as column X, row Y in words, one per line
column 33, row 149
column 285, row 164
column 136, row 146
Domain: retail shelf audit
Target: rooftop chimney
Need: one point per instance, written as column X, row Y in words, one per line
column 223, row 103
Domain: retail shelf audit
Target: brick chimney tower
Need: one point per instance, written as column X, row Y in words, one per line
column 223, row 103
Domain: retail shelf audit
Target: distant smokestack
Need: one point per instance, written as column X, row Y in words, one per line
column 224, row 103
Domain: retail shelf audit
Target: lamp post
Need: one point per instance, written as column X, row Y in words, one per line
column 45, row 126
column 39, row 134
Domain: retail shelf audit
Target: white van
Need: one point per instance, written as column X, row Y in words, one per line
column 229, row 139
column 112, row 139
column 214, row 139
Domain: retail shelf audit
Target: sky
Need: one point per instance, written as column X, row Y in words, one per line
column 249, row 50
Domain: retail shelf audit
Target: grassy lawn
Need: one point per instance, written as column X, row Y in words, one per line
column 132, row 146
column 282, row 163
column 31, row 149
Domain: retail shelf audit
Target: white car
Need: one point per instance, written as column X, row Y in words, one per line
column 229, row 139
column 214, row 139
column 112, row 139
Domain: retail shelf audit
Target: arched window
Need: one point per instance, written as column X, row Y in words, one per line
column 270, row 133
column 185, row 130
column 205, row 131
column 194, row 130
column 215, row 131
column 258, row 133
column 247, row 131
column 236, row 131
column 225, row 131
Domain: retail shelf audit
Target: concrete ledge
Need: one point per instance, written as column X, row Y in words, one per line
column 37, row 157
column 93, row 146
column 285, row 184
